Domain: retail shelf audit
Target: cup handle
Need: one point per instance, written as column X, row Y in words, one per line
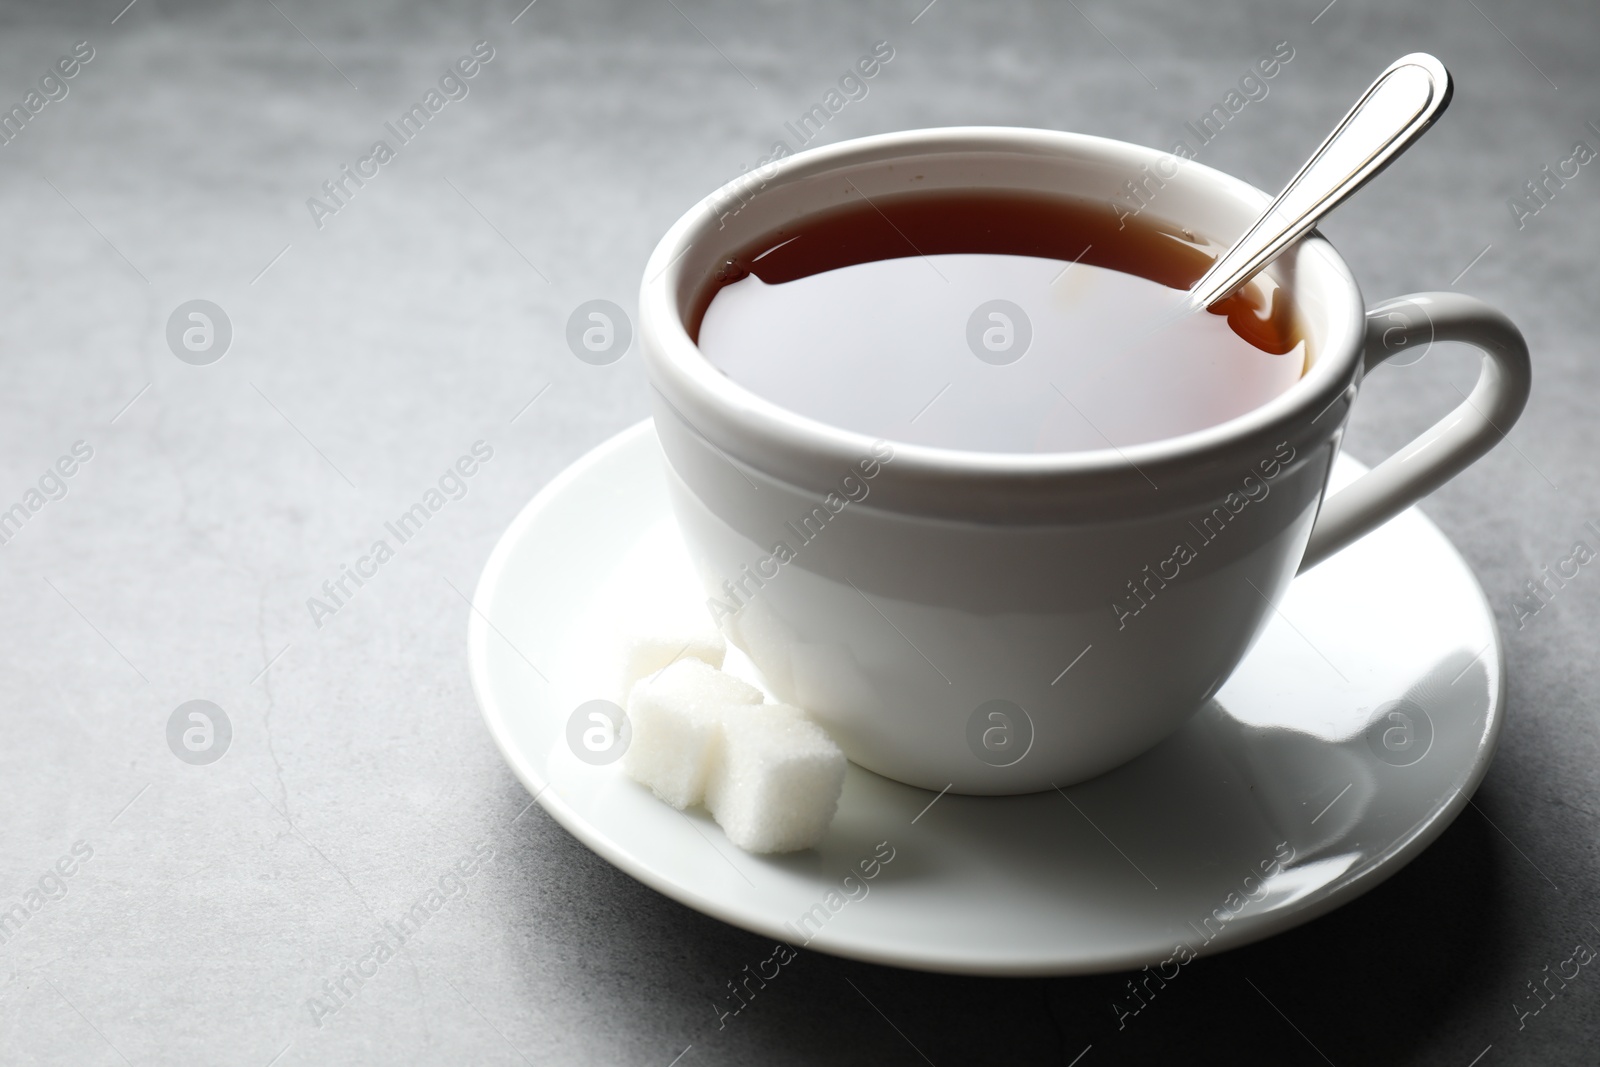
column 1450, row 445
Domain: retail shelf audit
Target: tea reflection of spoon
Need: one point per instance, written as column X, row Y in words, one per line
column 1393, row 112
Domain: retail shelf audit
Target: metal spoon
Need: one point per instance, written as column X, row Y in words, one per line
column 1393, row 112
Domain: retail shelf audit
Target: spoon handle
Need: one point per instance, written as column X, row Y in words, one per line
column 1394, row 111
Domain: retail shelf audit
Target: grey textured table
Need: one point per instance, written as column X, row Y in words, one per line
column 207, row 905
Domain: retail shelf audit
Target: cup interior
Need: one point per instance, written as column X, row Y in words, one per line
column 1213, row 205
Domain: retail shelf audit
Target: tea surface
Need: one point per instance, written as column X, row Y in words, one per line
column 994, row 322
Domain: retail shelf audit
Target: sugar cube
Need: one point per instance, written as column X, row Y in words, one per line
column 776, row 785
column 648, row 651
column 676, row 717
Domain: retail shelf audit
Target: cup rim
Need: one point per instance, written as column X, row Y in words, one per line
column 735, row 419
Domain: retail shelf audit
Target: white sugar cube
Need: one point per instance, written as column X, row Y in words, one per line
column 777, row 783
column 647, row 652
column 676, row 717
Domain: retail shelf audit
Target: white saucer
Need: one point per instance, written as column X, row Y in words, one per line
column 1112, row 874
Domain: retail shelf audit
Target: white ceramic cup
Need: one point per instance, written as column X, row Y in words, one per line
column 1000, row 623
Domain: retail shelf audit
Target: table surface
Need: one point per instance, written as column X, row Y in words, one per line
column 208, row 904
